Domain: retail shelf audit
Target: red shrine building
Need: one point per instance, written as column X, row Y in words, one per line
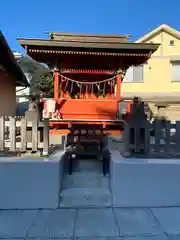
column 88, row 71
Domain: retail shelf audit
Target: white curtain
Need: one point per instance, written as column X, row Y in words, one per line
column 129, row 75
column 176, row 71
column 134, row 74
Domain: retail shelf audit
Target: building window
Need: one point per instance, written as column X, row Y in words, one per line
column 134, row 74
column 176, row 71
column 171, row 43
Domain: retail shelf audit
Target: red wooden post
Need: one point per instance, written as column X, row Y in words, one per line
column 111, row 92
column 56, row 85
column 118, row 87
column 118, row 90
column 61, row 88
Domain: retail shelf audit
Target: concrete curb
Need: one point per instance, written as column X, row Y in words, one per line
column 144, row 182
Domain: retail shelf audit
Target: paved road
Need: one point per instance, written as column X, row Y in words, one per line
column 95, row 224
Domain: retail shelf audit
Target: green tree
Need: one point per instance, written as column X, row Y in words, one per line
column 42, row 78
column 46, row 84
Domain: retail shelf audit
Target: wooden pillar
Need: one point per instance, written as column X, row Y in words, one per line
column 61, row 93
column 2, row 133
column 111, row 92
column 118, row 87
column 118, row 92
column 56, row 85
column 46, row 137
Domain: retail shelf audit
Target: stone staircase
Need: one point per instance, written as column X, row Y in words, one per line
column 86, row 187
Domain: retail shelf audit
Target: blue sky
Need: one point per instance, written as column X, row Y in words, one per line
column 31, row 18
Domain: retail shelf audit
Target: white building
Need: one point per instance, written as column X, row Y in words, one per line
column 22, row 93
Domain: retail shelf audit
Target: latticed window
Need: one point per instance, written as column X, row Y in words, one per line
column 176, row 71
column 134, row 74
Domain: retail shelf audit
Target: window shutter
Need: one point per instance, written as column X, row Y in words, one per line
column 129, row 75
column 176, row 72
column 138, row 73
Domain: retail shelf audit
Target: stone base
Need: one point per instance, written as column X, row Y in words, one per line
column 144, row 182
column 30, row 183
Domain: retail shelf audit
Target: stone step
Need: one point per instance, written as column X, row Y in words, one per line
column 81, row 180
column 85, row 197
column 87, row 166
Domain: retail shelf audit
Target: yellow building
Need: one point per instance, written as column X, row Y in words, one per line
column 159, row 78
